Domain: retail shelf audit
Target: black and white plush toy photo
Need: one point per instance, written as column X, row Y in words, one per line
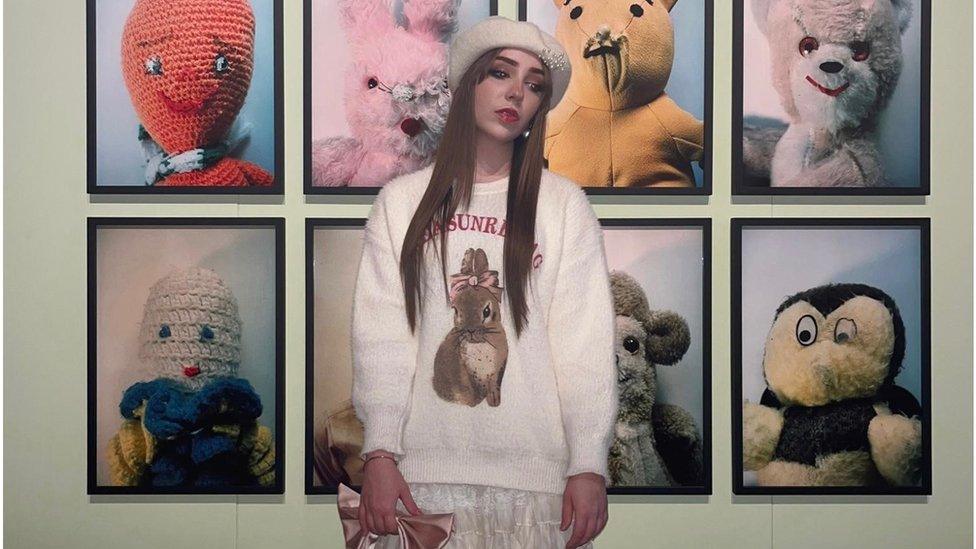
column 832, row 414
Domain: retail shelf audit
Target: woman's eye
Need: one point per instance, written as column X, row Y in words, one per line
column 498, row 73
column 537, row 88
column 206, row 333
column 154, row 66
column 221, row 64
column 860, row 51
column 808, row 45
column 372, row 83
column 164, row 331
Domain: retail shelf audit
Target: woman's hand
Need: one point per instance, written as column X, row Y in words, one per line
column 585, row 504
column 383, row 485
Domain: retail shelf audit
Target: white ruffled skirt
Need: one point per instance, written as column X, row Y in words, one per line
column 486, row 517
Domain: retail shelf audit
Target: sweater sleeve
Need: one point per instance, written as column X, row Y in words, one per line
column 581, row 336
column 384, row 352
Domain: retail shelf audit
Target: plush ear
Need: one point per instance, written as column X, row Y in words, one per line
column 760, row 12
column 431, row 19
column 365, row 18
column 668, row 337
column 669, row 4
column 903, row 13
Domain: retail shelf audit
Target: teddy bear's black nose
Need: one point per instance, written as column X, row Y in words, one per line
column 831, row 66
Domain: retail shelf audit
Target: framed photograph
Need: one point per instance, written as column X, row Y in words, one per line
column 831, row 356
column 371, row 115
column 834, row 98
column 186, row 358
column 636, row 118
column 660, row 273
column 185, row 97
column 333, row 433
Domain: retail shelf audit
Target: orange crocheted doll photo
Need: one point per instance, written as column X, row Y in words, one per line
column 199, row 76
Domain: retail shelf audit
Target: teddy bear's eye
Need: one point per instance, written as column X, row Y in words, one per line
column 221, row 64
column 206, row 333
column 845, row 330
column 164, row 332
column 860, row 51
column 631, row 344
column 806, row 330
column 576, row 12
column 154, row 66
column 807, row 45
column 372, row 83
column 636, row 10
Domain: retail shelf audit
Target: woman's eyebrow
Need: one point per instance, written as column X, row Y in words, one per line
column 153, row 41
column 514, row 63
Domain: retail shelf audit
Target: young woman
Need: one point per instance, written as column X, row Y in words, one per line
column 483, row 325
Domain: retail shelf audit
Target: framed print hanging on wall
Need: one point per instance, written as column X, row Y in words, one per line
column 185, row 96
column 831, row 98
column 660, row 275
column 376, row 95
column 636, row 117
column 831, row 350
column 185, row 355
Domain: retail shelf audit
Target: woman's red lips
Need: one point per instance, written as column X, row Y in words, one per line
column 190, row 371
column 181, row 107
column 411, row 126
column 508, row 116
column 831, row 92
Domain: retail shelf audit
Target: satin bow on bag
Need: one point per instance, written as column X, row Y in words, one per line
column 415, row 531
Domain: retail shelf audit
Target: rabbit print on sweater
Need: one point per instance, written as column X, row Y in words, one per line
column 470, row 362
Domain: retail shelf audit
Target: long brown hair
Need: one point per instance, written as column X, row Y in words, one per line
column 451, row 185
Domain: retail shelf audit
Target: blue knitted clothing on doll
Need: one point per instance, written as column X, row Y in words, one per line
column 190, row 452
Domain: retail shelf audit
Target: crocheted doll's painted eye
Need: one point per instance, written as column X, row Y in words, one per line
column 808, row 45
column 860, row 51
column 806, row 330
column 164, row 332
column 221, row 64
column 206, row 333
column 636, row 10
column 575, row 12
column 372, row 83
column 154, row 66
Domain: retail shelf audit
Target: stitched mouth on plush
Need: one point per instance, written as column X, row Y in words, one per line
column 832, row 92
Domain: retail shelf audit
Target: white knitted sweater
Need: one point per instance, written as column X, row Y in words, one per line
column 433, row 397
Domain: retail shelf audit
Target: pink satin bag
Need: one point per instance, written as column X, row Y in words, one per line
column 415, row 532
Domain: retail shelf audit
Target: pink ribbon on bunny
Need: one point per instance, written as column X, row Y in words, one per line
column 487, row 279
column 415, row 531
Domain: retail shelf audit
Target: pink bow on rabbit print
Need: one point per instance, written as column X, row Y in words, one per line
column 487, row 280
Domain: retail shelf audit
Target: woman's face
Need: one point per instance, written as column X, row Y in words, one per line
column 509, row 96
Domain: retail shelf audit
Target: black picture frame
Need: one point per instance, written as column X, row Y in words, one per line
column 738, row 225
column 277, row 224
column 93, row 187
column 311, row 224
column 739, row 187
column 705, row 226
column 707, row 159
column 307, row 110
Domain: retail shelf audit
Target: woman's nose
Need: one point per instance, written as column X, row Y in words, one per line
column 515, row 91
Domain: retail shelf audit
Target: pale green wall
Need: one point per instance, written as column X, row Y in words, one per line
column 45, row 504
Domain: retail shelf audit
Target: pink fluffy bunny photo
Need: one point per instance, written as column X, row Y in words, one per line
column 396, row 97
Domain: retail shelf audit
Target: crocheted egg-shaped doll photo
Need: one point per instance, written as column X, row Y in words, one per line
column 187, row 65
column 191, row 329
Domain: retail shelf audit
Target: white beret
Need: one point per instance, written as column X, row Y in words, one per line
column 502, row 32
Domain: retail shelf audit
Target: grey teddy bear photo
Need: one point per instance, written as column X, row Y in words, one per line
column 834, row 66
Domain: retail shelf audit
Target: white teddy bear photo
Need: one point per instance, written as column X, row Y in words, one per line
column 832, row 94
